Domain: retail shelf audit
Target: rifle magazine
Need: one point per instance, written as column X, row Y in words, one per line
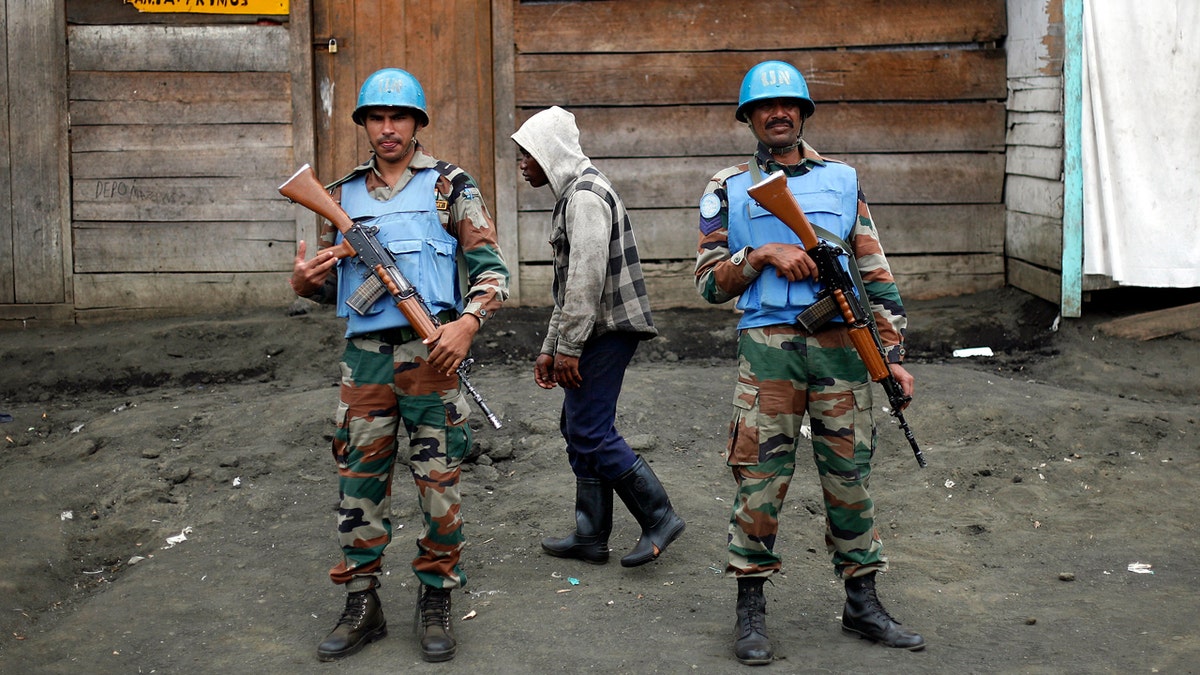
column 371, row 290
column 818, row 314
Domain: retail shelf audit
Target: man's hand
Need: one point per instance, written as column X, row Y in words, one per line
column 566, row 371
column 450, row 342
column 907, row 382
column 543, row 371
column 789, row 260
column 308, row 276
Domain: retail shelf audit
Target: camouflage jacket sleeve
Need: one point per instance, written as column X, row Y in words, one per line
column 882, row 293
column 468, row 220
column 721, row 274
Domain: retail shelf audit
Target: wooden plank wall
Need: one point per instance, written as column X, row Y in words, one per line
column 1034, row 181
column 7, row 268
column 911, row 92
column 33, row 163
column 181, row 130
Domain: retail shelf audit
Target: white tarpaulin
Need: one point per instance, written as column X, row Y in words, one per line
column 1141, row 141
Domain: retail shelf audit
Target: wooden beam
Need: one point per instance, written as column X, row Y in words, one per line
column 731, row 25
column 1156, row 324
column 837, row 128
column 303, row 127
column 36, row 112
column 503, row 126
column 159, row 200
column 7, row 232
column 129, row 296
column 215, row 48
column 108, row 248
column 672, row 234
column 715, row 77
column 926, row 178
column 1071, row 301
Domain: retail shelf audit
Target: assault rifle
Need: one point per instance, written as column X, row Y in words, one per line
column 359, row 240
column 836, row 295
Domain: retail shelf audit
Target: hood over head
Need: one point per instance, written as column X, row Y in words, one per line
column 552, row 138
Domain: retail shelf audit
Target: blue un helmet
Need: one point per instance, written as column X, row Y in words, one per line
column 392, row 88
column 773, row 79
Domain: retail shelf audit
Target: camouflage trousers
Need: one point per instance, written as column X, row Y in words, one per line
column 784, row 372
column 382, row 387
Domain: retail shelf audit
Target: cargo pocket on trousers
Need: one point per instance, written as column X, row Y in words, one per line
column 455, row 402
column 743, row 429
column 864, row 424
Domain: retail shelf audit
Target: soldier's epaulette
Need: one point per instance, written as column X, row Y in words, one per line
column 358, row 171
column 729, row 172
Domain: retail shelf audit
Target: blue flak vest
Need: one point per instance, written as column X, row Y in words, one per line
column 828, row 194
column 425, row 252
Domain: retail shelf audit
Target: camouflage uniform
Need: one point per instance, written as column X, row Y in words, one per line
column 785, row 372
column 386, row 382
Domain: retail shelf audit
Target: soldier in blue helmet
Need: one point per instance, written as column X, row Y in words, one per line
column 430, row 214
column 785, row 371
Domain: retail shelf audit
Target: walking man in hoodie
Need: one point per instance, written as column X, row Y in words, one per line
column 600, row 315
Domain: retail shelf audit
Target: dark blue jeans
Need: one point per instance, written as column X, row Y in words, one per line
column 594, row 446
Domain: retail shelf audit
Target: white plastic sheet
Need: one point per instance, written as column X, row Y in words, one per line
column 1141, row 142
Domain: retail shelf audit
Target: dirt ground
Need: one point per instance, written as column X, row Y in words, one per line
column 167, row 496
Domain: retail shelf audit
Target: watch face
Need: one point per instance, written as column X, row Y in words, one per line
column 710, row 205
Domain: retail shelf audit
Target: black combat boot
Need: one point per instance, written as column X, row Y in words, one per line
column 362, row 623
column 865, row 616
column 751, row 645
column 593, row 523
column 433, row 624
column 647, row 500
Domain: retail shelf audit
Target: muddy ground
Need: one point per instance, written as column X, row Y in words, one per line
column 167, row 496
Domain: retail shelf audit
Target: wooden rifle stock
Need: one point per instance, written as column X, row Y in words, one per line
column 773, row 194
column 304, row 189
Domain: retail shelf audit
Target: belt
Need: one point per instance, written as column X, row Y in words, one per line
column 402, row 334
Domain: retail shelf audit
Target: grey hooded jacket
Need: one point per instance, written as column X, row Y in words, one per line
column 598, row 284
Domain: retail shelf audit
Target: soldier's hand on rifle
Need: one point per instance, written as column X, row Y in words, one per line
column 543, row 371
column 308, row 276
column 907, row 382
column 789, row 260
column 450, row 342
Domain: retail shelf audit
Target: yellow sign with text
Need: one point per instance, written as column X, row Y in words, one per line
column 212, row 6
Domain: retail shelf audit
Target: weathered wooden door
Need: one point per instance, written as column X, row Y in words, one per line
column 446, row 44
column 33, row 195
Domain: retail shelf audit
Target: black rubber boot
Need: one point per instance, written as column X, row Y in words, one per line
column 433, row 624
column 751, row 645
column 865, row 616
column 593, row 524
column 362, row 623
column 647, row 500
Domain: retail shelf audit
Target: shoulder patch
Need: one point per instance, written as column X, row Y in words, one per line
column 710, row 205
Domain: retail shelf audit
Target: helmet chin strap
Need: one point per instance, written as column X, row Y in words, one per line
column 783, row 150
